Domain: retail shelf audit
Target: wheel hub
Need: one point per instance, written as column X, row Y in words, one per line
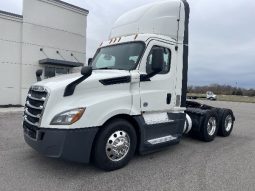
column 211, row 126
column 117, row 146
column 228, row 123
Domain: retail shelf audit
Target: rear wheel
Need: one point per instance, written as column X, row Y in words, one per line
column 115, row 145
column 226, row 123
column 209, row 128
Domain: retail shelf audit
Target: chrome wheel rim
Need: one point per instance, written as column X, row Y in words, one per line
column 228, row 123
column 117, row 146
column 211, row 126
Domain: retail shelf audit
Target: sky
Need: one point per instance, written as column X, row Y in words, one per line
column 222, row 36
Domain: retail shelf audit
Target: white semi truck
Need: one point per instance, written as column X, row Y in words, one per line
column 130, row 99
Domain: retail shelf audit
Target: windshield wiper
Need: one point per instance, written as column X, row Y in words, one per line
column 105, row 68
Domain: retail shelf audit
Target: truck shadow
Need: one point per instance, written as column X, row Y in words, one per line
column 187, row 149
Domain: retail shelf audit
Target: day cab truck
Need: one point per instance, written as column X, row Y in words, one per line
column 130, row 99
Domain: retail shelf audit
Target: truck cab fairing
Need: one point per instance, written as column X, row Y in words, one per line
column 128, row 95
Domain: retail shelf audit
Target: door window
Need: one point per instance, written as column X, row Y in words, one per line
column 167, row 61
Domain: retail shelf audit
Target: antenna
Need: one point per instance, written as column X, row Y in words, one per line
column 178, row 20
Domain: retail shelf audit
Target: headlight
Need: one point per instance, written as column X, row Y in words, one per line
column 68, row 117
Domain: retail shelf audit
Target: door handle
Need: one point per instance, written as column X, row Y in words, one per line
column 168, row 98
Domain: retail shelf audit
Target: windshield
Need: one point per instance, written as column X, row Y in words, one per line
column 120, row 57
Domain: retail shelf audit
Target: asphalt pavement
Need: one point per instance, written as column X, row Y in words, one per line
column 224, row 164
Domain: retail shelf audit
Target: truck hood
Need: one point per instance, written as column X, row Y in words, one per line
column 90, row 93
column 92, row 81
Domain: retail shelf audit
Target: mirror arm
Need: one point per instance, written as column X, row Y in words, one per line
column 69, row 90
column 86, row 72
column 90, row 61
column 38, row 78
column 147, row 77
column 38, row 75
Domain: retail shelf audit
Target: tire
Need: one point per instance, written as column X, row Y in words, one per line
column 209, row 127
column 105, row 155
column 226, row 123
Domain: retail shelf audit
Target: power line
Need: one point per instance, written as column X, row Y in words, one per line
column 16, row 63
column 33, row 44
column 73, row 33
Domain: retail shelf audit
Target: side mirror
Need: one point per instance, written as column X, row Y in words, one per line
column 38, row 75
column 157, row 64
column 157, row 60
column 86, row 71
column 90, row 61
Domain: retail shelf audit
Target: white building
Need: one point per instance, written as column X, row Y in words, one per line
column 50, row 35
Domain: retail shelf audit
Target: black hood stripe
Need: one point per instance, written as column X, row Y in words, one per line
column 117, row 80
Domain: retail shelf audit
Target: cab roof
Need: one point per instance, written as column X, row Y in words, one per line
column 166, row 18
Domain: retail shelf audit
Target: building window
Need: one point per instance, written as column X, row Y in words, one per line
column 61, row 71
column 50, row 72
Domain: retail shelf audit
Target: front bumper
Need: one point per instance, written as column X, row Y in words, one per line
column 71, row 145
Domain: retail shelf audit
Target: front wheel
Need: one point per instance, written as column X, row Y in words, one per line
column 115, row 145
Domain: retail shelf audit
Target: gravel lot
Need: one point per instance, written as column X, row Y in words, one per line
column 225, row 164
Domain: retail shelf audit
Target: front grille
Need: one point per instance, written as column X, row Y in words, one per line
column 38, row 95
column 34, row 107
column 29, row 130
column 34, row 111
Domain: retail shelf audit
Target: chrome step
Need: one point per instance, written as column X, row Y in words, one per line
column 162, row 139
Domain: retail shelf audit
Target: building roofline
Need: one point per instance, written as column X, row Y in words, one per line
column 71, row 5
column 56, row 62
column 56, row 1
column 11, row 14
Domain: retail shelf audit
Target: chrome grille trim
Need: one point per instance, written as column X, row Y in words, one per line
column 34, row 107
column 36, row 99
column 30, row 123
column 38, row 89
column 31, row 115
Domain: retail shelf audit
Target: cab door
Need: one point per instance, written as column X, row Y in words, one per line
column 158, row 93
